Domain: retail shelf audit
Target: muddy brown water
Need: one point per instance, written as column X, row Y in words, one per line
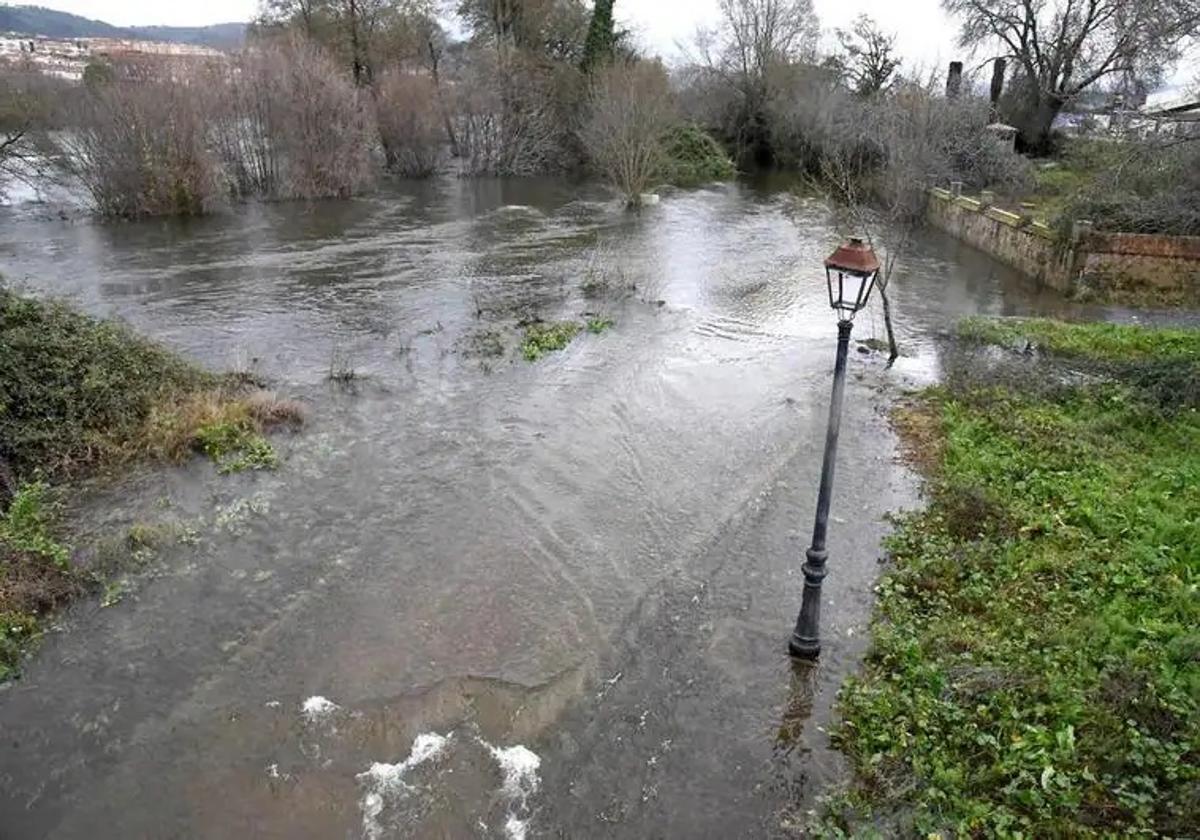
column 480, row 597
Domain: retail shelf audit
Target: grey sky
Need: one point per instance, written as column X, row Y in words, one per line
column 926, row 36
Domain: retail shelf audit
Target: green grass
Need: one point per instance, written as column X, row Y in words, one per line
column 543, row 338
column 35, row 571
column 1102, row 342
column 1035, row 670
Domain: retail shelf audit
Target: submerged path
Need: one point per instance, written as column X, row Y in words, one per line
column 481, row 597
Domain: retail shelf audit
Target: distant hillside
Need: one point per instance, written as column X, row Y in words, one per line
column 35, row 20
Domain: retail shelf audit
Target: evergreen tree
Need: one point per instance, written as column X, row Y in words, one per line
column 601, row 38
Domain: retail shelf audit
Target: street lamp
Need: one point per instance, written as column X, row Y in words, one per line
column 850, row 272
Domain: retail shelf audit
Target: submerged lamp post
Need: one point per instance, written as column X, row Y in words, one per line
column 851, row 272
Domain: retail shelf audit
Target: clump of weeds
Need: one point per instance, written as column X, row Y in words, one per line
column 547, row 337
column 597, row 325
column 236, row 447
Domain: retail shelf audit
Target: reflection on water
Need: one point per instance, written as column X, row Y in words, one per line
column 595, row 557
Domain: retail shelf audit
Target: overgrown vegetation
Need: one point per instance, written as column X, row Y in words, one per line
column 78, row 393
column 1141, row 186
column 547, row 337
column 35, row 571
column 694, row 157
column 1036, row 664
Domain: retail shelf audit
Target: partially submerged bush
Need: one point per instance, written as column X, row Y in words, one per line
column 291, row 125
column 407, row 112
column 630, row 111
column 506, row 118
column 140, row 148
column 694, row 157
column 280, row 122
column 75, row 391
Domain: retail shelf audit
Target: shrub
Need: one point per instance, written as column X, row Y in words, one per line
column 630, row 111
column 694, row 157
column 140, row 148
column 1143, row 187
column 408, row 115
column 506, row 117
column 75, row 391
column 291, row 125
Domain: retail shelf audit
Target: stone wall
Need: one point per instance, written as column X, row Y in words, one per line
column 1027, row 247
column 1121, row 266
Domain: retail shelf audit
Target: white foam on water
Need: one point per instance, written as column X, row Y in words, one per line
column 316, row 709
column 519, row 765
column 386, row 781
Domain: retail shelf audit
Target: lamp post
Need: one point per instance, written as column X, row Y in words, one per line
column 850, row 273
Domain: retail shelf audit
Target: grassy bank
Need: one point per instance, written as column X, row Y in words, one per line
column 1035, row 670
column 78, row 394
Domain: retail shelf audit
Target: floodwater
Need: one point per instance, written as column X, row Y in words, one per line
column 480, row 597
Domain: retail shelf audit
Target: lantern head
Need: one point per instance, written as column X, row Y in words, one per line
column 851, row 271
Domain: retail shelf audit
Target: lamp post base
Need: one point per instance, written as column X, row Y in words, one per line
column 807, row 649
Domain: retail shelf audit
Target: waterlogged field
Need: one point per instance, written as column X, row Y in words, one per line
column 512, row 578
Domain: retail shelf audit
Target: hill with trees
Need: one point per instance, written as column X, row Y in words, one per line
column 36, row 20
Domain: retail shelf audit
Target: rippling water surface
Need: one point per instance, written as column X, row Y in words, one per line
column 480, row 597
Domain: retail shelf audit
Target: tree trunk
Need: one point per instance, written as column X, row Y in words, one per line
column 893, row 347
column 1034, row 127
column 435, row 71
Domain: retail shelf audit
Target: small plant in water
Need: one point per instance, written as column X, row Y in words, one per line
column 598, row 325
column 541, row 339
column 341, row 365
column 236, row 447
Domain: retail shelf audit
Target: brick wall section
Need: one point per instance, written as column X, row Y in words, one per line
column 1148, row 267
column 1128, row 263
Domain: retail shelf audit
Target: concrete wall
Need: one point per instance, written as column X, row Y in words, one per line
column 1122, row 266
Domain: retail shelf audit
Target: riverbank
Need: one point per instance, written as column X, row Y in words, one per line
column 78, row 395
column 1036, row 667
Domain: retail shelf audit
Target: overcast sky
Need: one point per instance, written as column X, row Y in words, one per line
column 926, row 36
column 925, row 33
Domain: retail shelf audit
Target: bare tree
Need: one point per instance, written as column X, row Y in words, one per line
column 308, row 127
column 631, row 109
column 1063, row 47
column 408, row 114
column 504, row 116
column 368, row 35
column 751, row 53
column 868, row 56
column 30, row 104
column 139, row 149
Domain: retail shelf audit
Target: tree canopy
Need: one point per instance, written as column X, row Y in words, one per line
column 1063, row 47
